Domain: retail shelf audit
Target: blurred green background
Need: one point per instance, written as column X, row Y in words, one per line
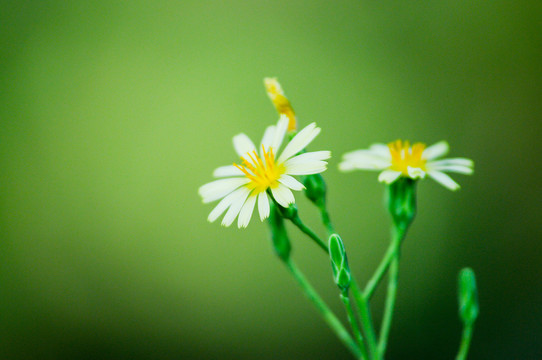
column 113, row 113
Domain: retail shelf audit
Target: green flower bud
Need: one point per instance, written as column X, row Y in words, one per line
column 339, row 262
column 279, row 237
column 289, row 213
column 468, row 296
column 402, row 201
column 315, row 188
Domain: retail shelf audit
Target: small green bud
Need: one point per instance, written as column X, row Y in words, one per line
column 339, row 262
column 279, row 237
column 468, row 296
column 315, row 188
column 402, row 201
column 289, row 213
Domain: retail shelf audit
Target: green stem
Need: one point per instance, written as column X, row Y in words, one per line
column 365, row 319
column 380, row 272
column 354, row 323
column 326, row 219
column 361, row 302
column 465, row 343
column 306, row 230
column 398, row 235
column 324, row 310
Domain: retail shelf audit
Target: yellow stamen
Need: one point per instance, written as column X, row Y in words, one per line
column 263, row 173
column 404, row 156
column 282, row 104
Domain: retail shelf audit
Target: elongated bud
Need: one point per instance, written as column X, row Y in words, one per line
column 468, row 296
column 402, row 201
column 315, row 188
column 279, row 237
column 281, row 102
column 339, row 263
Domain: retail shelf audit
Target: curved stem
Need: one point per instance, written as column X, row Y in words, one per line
column 354, row 323
column 324, row 310
column 305, row 229
column 379, row 272
column 465, row 343
column 326, row 220
column 365, row 318
column 397, row 237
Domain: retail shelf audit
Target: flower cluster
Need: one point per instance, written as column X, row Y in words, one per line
column 266, row 173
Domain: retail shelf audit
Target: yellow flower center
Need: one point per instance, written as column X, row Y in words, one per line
column 404, row 156
column 263, row 173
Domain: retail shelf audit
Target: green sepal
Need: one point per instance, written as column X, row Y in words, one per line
column 468, row 296
column 315, row 188
column 339, row 262
column 402, row 201
column 289, row 212
column 279, row 237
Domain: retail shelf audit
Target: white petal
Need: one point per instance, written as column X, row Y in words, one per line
column 243, row 145
column 228, row 170
column 235, row 207
column 282, row 126
column 267, row 139
column 224, row 204
column 283, row 195
column 246, row 212
column 363, row 160
column 451, row 168
column 453, row 161
column 388, row 176
column 263, row 205
column 310, row 156
column 305, row 167
column 291, row 182
column 219, row 188
column 299, row 142
column 382, row 150
column 444, row 179
column 415, row 172
column 436, row 150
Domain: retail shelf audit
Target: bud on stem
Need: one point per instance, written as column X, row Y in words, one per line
column 339, row 263
column 279, row 237
column 402, row 202
column 468, row 297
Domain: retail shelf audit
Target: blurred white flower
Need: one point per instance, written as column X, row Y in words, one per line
column 400, row 159
column 263, row 172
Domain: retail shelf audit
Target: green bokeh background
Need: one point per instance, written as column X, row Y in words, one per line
column 113, row 113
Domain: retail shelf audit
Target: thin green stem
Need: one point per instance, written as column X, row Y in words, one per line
column 354, row 323
column 326, row 220
column 465, row 343
column 365, row 319
column 306, row 230
column 379, row 272
column 328, row 316
column 398, row 235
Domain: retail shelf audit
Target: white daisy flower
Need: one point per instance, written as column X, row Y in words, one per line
column 262, row 171
column 400, row 159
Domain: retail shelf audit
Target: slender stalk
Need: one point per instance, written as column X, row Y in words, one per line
column 354, row 323
column 326, row 220
column 379, row 272
column 328, row 316
column 360, row 300
column 465, row 343
column 305, row 229
column 398, row 235
column 365, row 319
